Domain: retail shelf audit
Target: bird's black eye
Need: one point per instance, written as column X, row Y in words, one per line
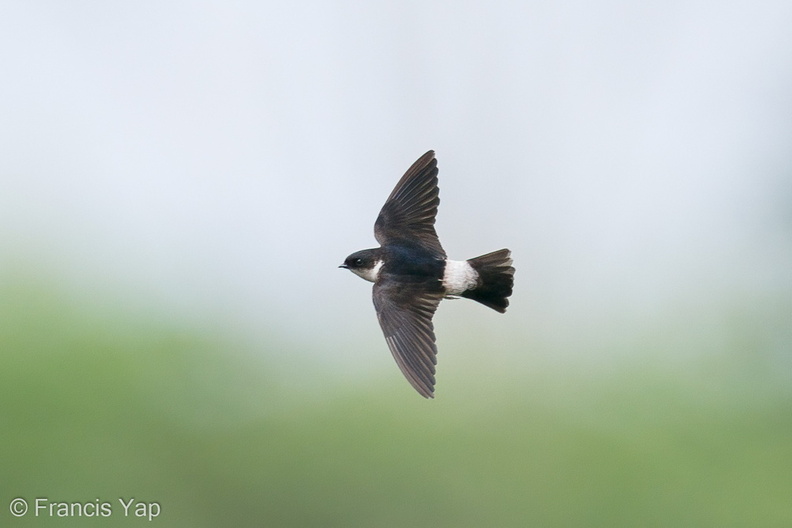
column 358, row 262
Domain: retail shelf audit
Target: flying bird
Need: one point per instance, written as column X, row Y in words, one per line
column 411, row 273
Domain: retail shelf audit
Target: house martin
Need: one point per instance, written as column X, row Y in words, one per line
column 411, row 273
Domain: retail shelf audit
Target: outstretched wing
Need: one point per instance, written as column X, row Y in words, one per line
column 405, row 315
column 410, row 210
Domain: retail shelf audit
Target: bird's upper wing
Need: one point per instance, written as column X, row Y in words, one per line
column 410, row 210
column 405, row 315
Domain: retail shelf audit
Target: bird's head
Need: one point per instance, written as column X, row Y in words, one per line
column 365, row 263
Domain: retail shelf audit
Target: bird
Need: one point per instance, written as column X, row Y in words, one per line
column 412, row 274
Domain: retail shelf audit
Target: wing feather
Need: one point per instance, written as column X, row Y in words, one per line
column 410, row 210
column 405, row 316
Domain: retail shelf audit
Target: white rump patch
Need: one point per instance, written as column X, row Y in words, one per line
column 370, row 274
column 459, row 276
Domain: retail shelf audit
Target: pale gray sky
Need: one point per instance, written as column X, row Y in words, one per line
column 220, row 159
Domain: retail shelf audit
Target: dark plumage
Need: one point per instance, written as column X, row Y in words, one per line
column 411, row 273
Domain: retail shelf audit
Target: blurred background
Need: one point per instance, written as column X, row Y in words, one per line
column 179, row 182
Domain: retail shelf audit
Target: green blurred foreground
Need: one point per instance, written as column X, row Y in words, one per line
column 96, row 407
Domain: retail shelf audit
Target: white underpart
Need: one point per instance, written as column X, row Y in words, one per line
column 459, row 276
column 370, row 274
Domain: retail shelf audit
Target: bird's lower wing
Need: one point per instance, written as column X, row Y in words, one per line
column 405, row 315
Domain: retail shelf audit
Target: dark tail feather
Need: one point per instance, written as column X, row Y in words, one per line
column 496, row 279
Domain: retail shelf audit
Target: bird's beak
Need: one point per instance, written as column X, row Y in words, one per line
column 344, row 266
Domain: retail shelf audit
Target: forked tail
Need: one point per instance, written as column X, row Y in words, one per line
column 495, row 281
